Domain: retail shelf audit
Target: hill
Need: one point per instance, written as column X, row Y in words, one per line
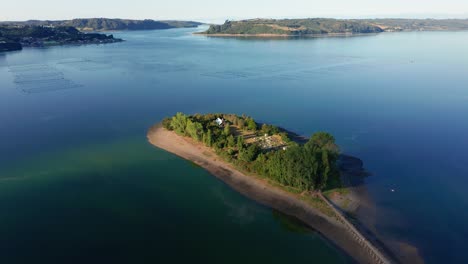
column 106, row 24
column 319, row 26
column 293, row 27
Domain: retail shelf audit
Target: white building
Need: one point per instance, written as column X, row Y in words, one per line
column 219, row 121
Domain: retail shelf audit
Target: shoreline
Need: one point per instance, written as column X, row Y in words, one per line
column 305, row 36
column 263, row 192
column 269, row 35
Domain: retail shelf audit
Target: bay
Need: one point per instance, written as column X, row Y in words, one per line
column 79, row 182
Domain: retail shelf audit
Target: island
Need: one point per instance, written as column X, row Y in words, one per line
column 329, row 27
column 15, row 37
column 107, row 24
column 275, row 167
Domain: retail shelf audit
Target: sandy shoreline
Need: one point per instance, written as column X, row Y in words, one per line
column 261, row 191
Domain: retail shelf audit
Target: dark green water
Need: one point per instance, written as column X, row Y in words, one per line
column 127, row 202
column 79, row 183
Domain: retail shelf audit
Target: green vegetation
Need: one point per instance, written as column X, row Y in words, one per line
column 299, row 167
column 8, row 45
column 293, row 27
column 392, row 24
column 313, row 26
column 38, row 36
column 103, row 24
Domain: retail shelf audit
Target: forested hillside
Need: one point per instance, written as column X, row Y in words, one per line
column 104, row 24
column 293, row 27
column 317, row 26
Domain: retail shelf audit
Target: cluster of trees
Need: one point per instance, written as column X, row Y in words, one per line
column 203, row 128
column 304, row 167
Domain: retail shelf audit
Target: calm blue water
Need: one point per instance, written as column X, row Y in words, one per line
column 78, row 177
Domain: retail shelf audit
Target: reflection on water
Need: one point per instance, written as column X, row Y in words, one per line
column 128, row 200
column 290, row 223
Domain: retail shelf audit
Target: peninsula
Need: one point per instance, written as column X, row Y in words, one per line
column 273, row 166
column 16, row 37
column 107, row 24
column 328, row 26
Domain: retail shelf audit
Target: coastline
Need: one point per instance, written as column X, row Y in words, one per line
column 260, row 190
column 268, row 35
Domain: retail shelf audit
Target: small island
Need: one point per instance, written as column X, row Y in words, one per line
column 272, row 166
column 329, row 27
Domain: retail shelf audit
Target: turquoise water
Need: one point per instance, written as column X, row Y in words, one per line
column 79, row 182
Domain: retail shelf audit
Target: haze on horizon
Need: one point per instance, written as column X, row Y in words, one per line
column 217, row 11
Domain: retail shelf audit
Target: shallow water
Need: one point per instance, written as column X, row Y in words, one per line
column 79, row 181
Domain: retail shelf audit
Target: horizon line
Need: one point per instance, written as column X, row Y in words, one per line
column 252, row 18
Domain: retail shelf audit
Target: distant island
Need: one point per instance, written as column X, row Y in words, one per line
column 327, row 26
column 16, row 37
column 107, row 24
column 273, row 166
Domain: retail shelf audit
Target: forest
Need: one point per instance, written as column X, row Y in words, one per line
column 295, row 27
column 104, row 24
column 314, row 26
column 304, row 167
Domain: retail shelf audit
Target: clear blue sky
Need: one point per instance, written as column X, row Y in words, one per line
column 219, row 10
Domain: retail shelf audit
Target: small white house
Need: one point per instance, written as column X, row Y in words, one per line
column 219, row 121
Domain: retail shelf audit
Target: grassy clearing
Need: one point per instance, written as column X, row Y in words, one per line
column 319, row 204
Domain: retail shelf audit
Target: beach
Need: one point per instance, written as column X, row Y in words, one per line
column 262, row 191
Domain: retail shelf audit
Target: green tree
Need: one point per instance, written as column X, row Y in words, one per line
column 251, row 125
column 167, row 123
column 250, row 153
column 269, row 129
column 240, row 142
column 227, row 130
column 194, row 130
column 323, row 140
column 179, row 123
column 231, row 141
column 208, row 139
column 326, row 169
